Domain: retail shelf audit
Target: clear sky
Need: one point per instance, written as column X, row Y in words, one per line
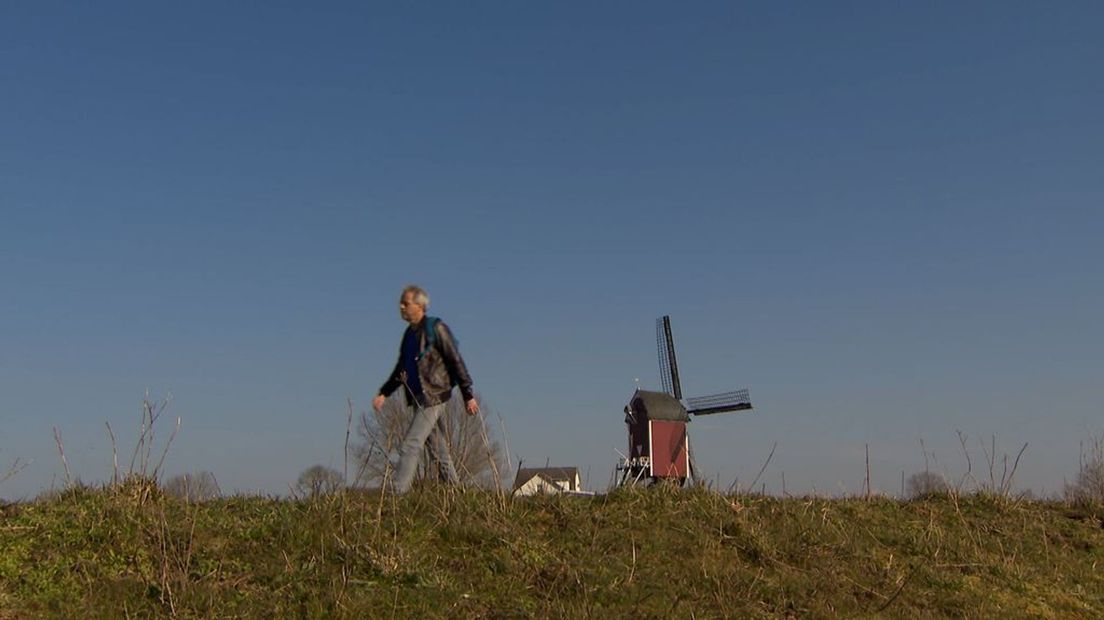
column 883, row 219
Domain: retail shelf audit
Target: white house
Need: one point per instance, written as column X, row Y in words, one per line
column 533, row 480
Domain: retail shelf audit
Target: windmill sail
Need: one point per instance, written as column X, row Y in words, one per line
column 738, row 400
column 668, row 366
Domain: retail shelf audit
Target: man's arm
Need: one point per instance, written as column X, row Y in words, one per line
column 393, row 382
column 457, row 370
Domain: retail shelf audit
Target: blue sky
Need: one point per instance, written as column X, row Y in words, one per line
column 884, row 220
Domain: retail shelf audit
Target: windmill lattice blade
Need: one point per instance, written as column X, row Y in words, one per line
column 667, row 345
column 664, row 358
column 737, row 400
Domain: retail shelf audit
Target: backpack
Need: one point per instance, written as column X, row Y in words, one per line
column 431, row 334
column 431, row 339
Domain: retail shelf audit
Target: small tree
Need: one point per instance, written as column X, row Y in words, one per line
column 924, row 483
column 318, row 480
column 476, row 452
column 1088, row 487
column 197, row 486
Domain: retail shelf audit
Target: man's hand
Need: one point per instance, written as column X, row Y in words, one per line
column 473, row 407
column 377, row 402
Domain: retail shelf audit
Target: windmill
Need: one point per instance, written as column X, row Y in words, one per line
column 659, row 446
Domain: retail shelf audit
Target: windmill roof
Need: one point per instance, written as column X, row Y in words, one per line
column 658, row 406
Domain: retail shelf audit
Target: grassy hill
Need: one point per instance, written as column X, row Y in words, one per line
column 127, row 551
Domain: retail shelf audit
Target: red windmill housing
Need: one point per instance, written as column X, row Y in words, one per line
column 659, row 446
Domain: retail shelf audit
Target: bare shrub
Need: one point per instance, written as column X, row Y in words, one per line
column 318, row 480
column 926, row 483
column 197, row 486
column 1088, row 487
column 476, row 452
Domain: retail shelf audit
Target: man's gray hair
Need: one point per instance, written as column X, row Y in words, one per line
column 420, row 296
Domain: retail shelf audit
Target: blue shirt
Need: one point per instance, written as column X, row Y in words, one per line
column 411, row 347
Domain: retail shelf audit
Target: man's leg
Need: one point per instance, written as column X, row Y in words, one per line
column 439, row 451
column 422, row 423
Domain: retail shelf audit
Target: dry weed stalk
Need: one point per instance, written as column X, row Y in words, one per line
column 736, row 483
column 114, row 454
column 143, row 472
column 17, row 466
column 969, row 462
column 1003, row 488
column 176, row 558
column 1088, row 486
column 866, row 484
column 348, row 432
column 997, row 486
column 61, row 453
column 144, row 448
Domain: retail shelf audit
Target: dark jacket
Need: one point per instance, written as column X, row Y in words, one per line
column 439, row 368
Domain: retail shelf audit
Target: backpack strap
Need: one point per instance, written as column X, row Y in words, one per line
column 431, row 334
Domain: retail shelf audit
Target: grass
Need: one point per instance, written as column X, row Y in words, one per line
column 129, row 551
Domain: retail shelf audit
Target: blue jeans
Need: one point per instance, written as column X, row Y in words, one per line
column 427, row 430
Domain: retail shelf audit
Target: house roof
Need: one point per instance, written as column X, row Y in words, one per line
column 551, row 474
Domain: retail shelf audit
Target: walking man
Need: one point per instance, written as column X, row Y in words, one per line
column 429, row 365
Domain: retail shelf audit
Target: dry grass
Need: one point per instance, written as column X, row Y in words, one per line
column 448, row 552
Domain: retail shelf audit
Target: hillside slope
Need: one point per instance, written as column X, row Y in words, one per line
column 642, row 553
